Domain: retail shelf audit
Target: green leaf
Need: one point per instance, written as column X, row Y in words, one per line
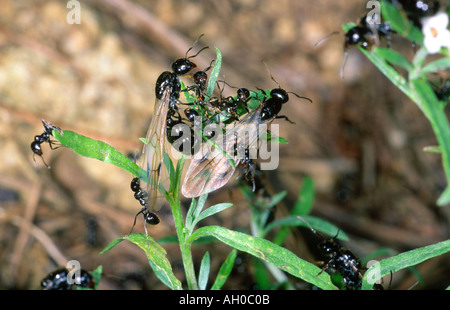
column 272, row 138
column 394, row 58
column 432, row 149
column 427, row 100
column 96, row 149
column 190, row 98
column 348, row 26
column 305, row 199
column 96, row 275
column 269, row 252
column 403, row 260
column 387, row 70
column 224, row 270
column 437, row 65
column 302, row 206
column 213, row 210
column 156, row 257
column 170, row 168
column 204, row 272
column 315, row 222
column 194, row 211
column 400, row 22
column 213, row 76
column 260, row 274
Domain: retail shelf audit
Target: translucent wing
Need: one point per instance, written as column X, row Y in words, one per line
column 211, row 168
column 154, row 172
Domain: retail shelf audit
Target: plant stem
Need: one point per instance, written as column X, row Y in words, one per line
column 173, row 197
column 185, row 247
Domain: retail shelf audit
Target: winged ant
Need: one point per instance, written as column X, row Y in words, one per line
column 167, row 90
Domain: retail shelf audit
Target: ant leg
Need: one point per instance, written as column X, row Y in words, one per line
column 42, row 157
column 142, row 210
column 286, row 118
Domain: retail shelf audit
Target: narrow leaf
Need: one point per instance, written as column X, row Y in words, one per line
column 213, row 76
column 225, row 270
column 96, row 149
column 204, row 272
column 156, row 257
column 269, row 252
column 394, row 58
column 403, row 260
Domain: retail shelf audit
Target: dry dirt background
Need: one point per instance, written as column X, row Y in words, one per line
column 360, row 140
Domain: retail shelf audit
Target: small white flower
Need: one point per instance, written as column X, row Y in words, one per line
column 436, row 33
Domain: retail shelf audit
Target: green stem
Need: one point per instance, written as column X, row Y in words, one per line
column 173, row 197
column 185, row 247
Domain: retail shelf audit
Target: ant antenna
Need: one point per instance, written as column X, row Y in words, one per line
column 270, row 73
column 196, row 41
column 315, row 231
column 278, row 84
column 325, row 38
column 309, row 226
column 344, row 61
column 301, row 97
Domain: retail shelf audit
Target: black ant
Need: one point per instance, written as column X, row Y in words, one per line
column 249, row 169
column 200, row 78
column 44, row 137
column 340, row 260
column 230, row 105
column 58, row 280
column 271, row 105
column 366, row 34
column 141, row 195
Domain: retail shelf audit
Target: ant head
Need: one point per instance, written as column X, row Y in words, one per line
column 357, row 35
column 135, row 185
column 280, row 94
column 184, row 65
column 243, row 94
column 200, row 77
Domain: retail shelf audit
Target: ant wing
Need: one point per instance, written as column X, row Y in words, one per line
column 153, row 172
column 211, row 168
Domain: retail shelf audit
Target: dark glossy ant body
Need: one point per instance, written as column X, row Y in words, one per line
column 417, row 9
column 272, row 104
column 44, row 137
column 230, row 105
column 249, row 168
column 200, row 78
column 368, row 32
column 141, row 195
column 58, row 280
column 339, row 259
